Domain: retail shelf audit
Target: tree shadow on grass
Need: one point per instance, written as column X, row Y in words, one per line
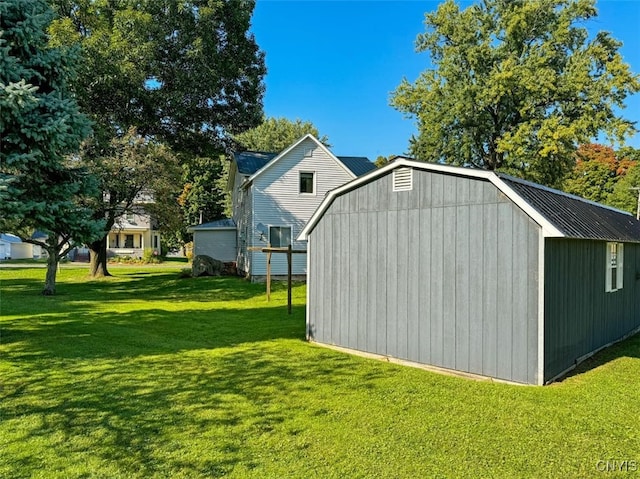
column 21, row 295
column 160, row 395
column 88, row 335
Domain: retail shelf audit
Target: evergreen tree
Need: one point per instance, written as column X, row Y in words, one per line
column 40, row 125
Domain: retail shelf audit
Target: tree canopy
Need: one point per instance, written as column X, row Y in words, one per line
column 186, row 75
column 185, row 72
column 516, row 85
column 275, row 134
column 606, row 176
column 625, row 193
column 41, row 188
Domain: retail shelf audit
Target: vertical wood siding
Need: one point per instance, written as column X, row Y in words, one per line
column 278, row 202
column 580, row 316
column 443, row 274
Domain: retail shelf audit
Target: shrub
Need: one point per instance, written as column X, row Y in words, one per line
column 150, row 255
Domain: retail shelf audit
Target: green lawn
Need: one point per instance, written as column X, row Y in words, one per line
column 148, row 375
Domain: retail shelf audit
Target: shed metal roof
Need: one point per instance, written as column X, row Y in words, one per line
column 576, row 217
column 225, row 223
column 560, row 215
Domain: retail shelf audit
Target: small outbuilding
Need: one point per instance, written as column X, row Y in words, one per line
column 216, row 239
column 470, row 270
column 12, row 247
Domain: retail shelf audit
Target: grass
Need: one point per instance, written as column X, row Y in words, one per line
column 147, row 375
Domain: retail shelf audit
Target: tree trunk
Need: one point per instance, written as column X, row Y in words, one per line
column 98, row 258
column 52, row 271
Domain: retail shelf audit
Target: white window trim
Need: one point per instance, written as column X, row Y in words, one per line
column 308, row 172
column 281, row 226
column 618, row 263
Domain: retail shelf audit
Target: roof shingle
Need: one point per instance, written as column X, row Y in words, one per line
column 251, row 161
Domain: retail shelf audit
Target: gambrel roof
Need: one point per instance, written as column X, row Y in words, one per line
column 559, row 214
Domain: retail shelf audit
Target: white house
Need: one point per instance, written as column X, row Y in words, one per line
column 273, row 197
column 132, row 234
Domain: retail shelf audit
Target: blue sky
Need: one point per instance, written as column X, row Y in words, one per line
column 336, row 62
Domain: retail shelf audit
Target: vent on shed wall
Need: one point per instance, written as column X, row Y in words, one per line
column 403, row 179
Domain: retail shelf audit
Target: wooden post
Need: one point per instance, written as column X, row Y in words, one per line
column 269, row 273
column 289, row 252
column 289, row 269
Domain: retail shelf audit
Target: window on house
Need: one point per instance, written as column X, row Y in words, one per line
column 614, row 269
column 128, row 241
column 279, row 236
column 403, row 179
column 129, row 217
column 306, row 182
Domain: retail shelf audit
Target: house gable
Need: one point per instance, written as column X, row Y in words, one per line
column 276, row 193
column 307, row 143
column 277, row 200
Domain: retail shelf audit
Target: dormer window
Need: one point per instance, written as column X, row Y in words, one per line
column 307, row 180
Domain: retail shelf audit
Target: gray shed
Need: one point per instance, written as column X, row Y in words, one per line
column 471, row 271
column 216, row 239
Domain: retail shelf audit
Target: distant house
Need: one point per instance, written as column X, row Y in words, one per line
column 132, row 234
column 471, row 271
column 12, row 247
column 273, row 196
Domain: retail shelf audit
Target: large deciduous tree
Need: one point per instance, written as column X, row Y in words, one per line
column 41, row 188
column 595, row 174
column 275, row 134
column 626, row 193
column 515, row 85
column 136, row 174
column 184, row 73
column 598, row 172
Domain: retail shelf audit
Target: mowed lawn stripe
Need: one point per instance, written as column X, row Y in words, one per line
column 145, row 374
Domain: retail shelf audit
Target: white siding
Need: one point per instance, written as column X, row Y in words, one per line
column 278, row 202
column 236, row 193
column 243, row 222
